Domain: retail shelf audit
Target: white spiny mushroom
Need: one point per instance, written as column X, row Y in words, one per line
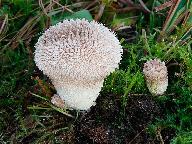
column 156, row 77
column 77, row 55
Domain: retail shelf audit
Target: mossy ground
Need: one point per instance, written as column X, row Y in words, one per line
column 125, row 112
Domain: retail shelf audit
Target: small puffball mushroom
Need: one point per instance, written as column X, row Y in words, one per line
column 77, row 55
column 156, row 76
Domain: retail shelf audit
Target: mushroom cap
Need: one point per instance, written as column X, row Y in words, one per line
column 78, row 50
column 155, row 69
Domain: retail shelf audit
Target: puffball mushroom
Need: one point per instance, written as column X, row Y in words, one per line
column 156, row 76
column 77, row 55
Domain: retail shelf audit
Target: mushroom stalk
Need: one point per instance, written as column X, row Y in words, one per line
column 78, row 96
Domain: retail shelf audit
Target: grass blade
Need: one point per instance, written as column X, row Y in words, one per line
column 63, row 111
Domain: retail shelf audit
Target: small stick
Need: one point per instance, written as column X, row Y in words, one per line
column 160, row 136
column 136, row 136
column 91, row 4
column 64, row 7
column 100, row 13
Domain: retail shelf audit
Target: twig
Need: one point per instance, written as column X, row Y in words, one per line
column 64, row 7
column 160, row 136
column 144, row 6
column 136, row 136
column 5, row 21
column 137, row 94
column 100, row 13
column 43, row 8
column 171, row 94
column 127, row 9
column 165, row 5
column 128, row 2
column 131, row 6
column 91, row 4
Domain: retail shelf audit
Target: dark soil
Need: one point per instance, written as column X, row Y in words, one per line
column 109, row 122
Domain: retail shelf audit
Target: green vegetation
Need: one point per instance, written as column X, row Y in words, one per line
column 26, row 114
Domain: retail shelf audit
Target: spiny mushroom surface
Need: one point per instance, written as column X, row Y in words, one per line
column 77, row 55
column 156, row 76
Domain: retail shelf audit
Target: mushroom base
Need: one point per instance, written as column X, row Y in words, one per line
column 80, row 97
column 157, row 87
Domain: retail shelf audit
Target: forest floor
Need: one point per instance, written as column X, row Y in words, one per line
column 125, row 111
